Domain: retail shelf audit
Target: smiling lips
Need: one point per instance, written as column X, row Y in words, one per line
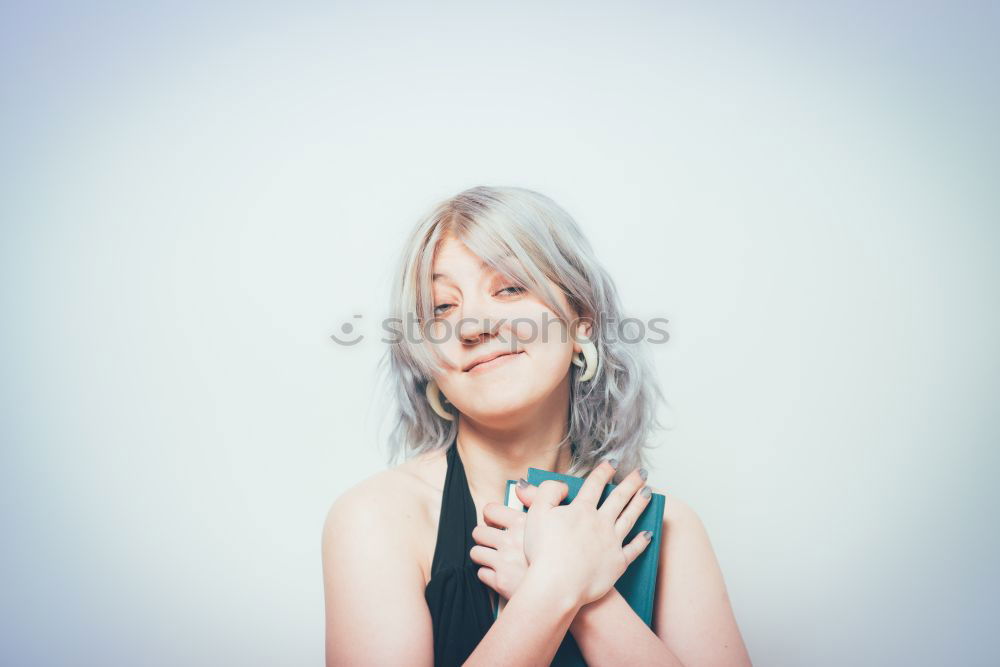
column 493, row 361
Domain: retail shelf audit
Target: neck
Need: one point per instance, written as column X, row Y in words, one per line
column 492, row 455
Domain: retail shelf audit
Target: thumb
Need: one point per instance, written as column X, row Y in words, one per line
column 525, row 492
column 549, row 493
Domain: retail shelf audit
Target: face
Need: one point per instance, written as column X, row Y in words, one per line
column 482, row 313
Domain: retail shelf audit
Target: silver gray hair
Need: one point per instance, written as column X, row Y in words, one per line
column 527, row 237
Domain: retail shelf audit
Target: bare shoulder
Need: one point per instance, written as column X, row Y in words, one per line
column 680, row 520
column 373, row 508
column 379, row 489
column 685, row 543
column 676, row 512
column 693, row 613
column 373, row 569
column 398, row 503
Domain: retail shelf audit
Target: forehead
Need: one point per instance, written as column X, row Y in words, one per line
column 453, row 258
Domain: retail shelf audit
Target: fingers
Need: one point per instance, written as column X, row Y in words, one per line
column 488, row 576
column 594, row 485
column 548, row 494
column 501, row 516
column 626, row 520
column 622, row 494
column 484, row 556
column 636, row 546
column 525, row 493
column 488, row 536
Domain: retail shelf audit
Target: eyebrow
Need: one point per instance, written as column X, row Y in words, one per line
column 482, row 265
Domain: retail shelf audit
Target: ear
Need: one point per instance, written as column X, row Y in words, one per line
column 583, row 330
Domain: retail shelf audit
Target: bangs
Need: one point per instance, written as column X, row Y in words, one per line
column 500, row 244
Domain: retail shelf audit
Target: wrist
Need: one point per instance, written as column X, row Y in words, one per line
column 538, row 583
column 589, row 612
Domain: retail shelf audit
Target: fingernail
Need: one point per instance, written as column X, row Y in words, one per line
column 643, row 473
column 646, row 492
column 648, row 534
column 614, row 463
column 522, row 483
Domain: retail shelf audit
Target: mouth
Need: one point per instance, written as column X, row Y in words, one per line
column 495, row 362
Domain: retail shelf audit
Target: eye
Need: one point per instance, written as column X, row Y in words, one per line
column 514, row 290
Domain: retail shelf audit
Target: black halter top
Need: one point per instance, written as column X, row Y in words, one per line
column 461, row 605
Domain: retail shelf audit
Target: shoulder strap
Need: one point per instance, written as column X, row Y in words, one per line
column 457, row 517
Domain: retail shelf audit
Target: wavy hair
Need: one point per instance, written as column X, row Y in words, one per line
column 529, row 238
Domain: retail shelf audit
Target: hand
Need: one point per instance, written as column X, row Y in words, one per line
column 499, row 547
column 500, row 544
column 578, row 546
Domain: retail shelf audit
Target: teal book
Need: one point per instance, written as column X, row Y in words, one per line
column 637, row 585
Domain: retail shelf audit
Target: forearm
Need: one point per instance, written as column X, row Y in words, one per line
column 530, row 628
column 609, row 632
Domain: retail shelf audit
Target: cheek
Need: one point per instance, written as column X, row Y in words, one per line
column 547, row 342
column 525, row 331
column 450, row 354
column 549, row 360
column 540, row 328
column 434, row 334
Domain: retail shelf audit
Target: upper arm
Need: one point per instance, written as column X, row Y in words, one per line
column 693, row 614
column 373, row 587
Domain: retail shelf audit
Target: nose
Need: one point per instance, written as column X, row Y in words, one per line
column 477, row 322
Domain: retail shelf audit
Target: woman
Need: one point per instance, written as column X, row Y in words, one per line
column 515, row 362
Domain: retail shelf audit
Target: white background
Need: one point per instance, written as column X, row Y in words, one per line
column 193, row 200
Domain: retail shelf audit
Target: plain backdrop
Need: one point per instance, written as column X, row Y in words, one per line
column 195, row 196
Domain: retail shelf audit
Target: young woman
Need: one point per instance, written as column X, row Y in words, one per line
column 517, row 360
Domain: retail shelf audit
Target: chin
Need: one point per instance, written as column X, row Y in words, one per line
column 500, row 409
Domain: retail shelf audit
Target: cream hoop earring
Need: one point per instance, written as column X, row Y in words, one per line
column 434, row 398
column 590, row 361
